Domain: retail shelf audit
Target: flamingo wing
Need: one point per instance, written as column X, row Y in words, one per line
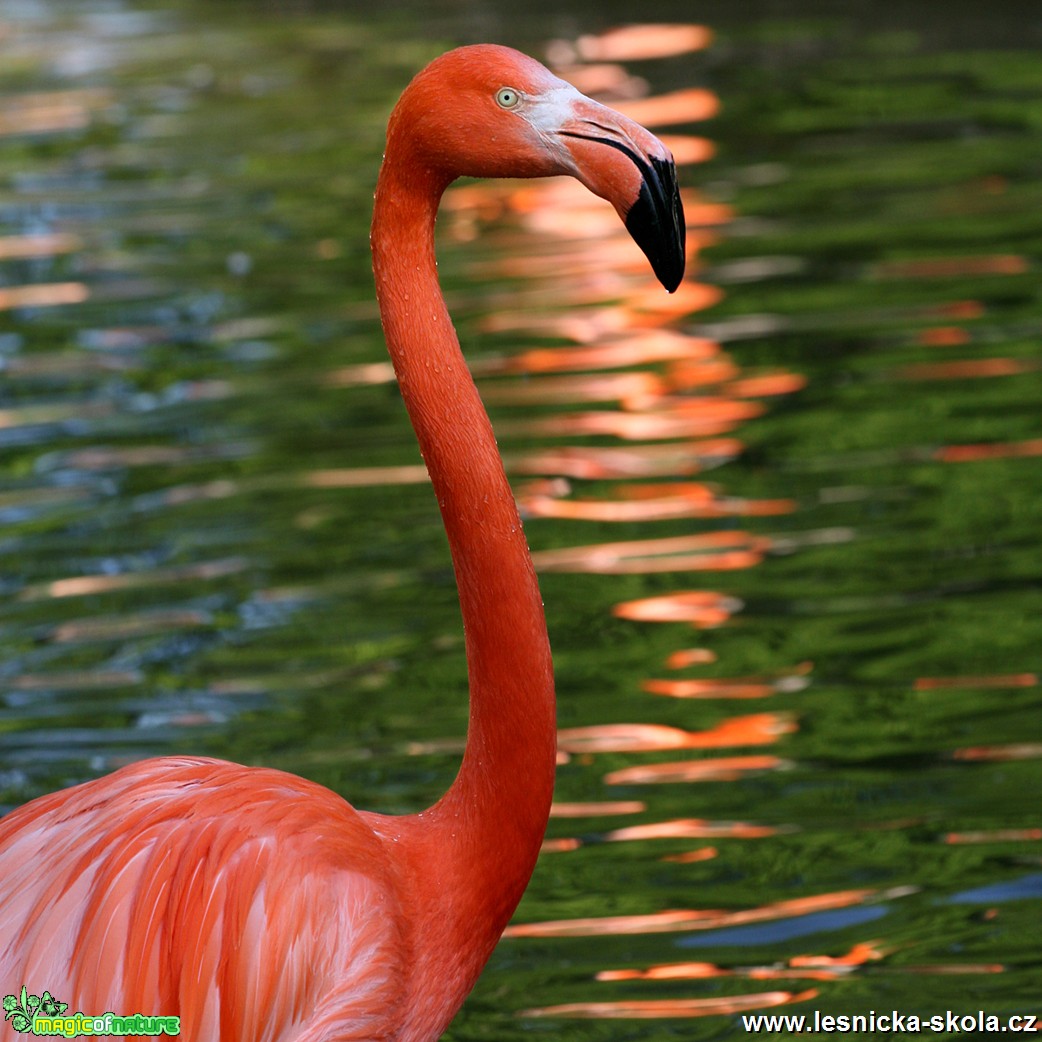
column 250, row 903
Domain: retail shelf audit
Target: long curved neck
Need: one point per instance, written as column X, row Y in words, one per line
column 484, row 835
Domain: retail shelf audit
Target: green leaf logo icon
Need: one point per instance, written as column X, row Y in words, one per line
column 20, row 1009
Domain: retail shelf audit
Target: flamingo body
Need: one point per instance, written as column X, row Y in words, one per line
column 199, row 886
column 257, row 906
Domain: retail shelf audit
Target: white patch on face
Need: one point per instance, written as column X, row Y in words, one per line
column 550, row 110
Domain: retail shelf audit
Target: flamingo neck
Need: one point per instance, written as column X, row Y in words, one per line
column 474, row 851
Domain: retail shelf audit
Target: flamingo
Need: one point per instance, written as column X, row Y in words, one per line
column 258, row 906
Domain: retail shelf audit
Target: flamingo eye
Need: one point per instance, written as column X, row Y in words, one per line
column 508, row 98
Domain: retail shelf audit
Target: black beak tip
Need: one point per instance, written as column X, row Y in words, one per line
column 656, row 222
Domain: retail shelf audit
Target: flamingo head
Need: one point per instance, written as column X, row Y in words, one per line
column 490, row 111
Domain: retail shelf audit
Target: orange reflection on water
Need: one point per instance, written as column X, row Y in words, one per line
column 989, row 451
column 74, row 680
column 688, row 374
column 636, row 348
column 955, row 968
column 724, row 768
column 643, row 309
column 688, row 149
column 689, row 105
column 724, row 687
column 813, row 967
column 49, row 112
column 365, row 477
column 690, row 857
column 955, row 309
column 701, row 608
column 85, row 585
column 66, row 364
column 42, row 245
column 943, row 336
column 990, row 680
column 753, row 729
column 951, row 267
column 559, row 846
column 364, row 375
column 865, row 951
column 650, row 306
column 702, row 417
column 598, row 809
column 42, row 295
column 766, row 385
column 605, row 78
column 631, row 389
column 603, row 279
column 657, row 1009
column 713, row 551
column 637, row 43
column 968, row 369
column 1000, row 753
column 614, row 925
column 684, row 657
column 994, row 836
column 128, row 627
column 204, row 492
column 628, row 461
column 683, row 920
column 646, row 503
column 691, row 828
column 108, row 457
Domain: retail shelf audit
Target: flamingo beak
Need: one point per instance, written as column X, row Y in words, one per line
column 622, row 162
column 656, row 221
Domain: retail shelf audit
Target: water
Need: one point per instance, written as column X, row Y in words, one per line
column 822, row 785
